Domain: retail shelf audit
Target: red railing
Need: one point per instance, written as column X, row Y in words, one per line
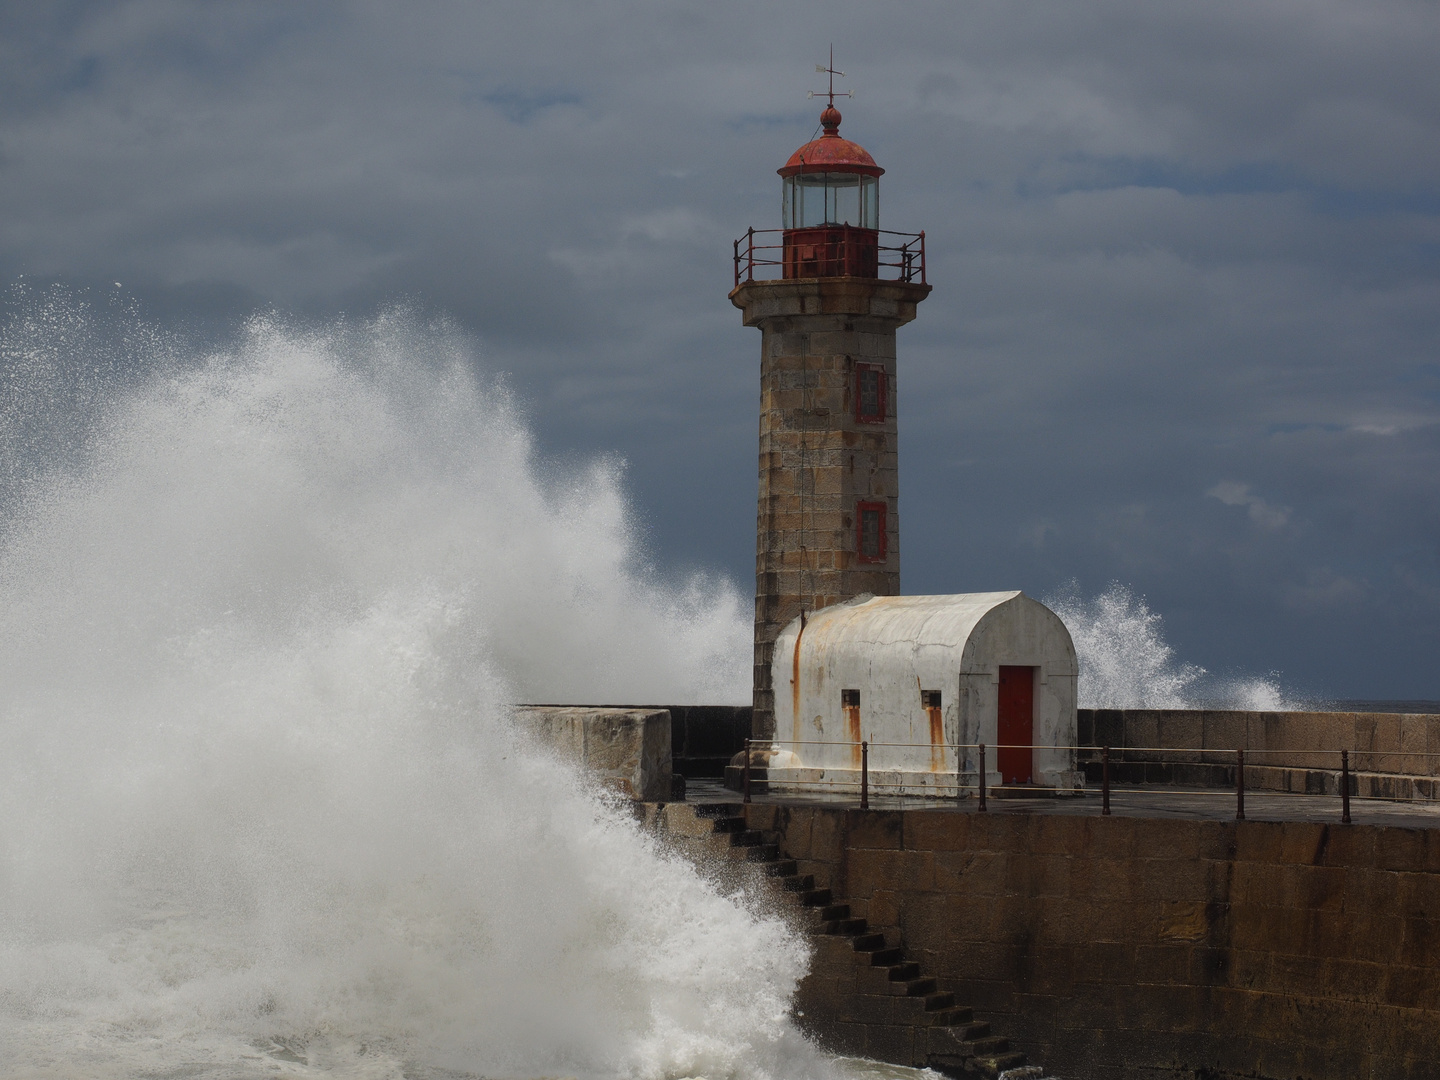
column 903, row 259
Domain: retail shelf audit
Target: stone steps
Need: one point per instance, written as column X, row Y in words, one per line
column 892, row 1010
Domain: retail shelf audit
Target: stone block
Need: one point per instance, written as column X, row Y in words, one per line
column 1038, row 875
column 936, row 830
column 1298, row 973
column 1212, row 966
column 762, row 816
column 1108, row 837
column 1181, row 730
column 1319, row 888
column 976, row 872
column 1111, row 962
column 1101, row 879
column 871, row 869
column 1155, row 1008
column 885, row 1009
column 1375, row 936
column 1303, row 842
column 999, row 832
column 794, row 828
column 1119, row 922
column 1057, row 835
column 1142, row 728
column 1215, row 840
column 874, row 828
column 1401, row 849
column 1354, row 980
column 1161, row 839
column 1259, row 841
column 1418, row 895
column 1224, row 730
column 1350, row 847
column 884, row 908
column 827, row 835
column 886, row 1042
column 627, row 749
column 1410, row 987
column 1185, row 922
column 678, row 819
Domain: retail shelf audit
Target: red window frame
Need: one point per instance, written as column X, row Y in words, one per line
column 861, row 509
column 880, row 387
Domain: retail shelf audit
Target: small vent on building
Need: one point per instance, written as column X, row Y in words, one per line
column 850, row 699
column 930, row 699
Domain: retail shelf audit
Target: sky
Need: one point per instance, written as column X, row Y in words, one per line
column 1185, row 326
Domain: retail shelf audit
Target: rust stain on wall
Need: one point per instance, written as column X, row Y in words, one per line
column 852, row 732
column 796, row 734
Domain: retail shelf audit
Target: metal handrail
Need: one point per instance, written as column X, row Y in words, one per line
column 1108, row 757
column 907, row 259
column 1114, row 749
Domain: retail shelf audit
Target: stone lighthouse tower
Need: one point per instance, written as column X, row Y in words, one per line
column 828, row 291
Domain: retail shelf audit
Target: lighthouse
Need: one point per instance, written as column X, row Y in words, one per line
column 828, row 290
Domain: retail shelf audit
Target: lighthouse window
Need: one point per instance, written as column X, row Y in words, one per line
column 869, row 394
column 870, row 532
column 831, row 198
column 850, row 699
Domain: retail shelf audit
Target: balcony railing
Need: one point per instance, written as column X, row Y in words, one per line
column 897, row 257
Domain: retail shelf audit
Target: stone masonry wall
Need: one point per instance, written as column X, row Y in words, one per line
column 816, row 461
column 1117, row 947
column 1392, row 755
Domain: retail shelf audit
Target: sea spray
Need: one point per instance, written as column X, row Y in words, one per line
column 1125, row 662
column 260, row 810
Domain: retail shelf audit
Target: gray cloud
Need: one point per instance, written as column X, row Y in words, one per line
column 1176, row 249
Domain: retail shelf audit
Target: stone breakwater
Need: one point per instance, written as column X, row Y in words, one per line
column 1123, row 947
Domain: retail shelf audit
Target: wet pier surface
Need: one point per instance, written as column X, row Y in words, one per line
column 1124, row 802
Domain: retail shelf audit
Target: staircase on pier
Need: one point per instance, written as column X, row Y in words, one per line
column 861, row 996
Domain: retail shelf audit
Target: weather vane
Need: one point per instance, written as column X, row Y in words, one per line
column 829, row 69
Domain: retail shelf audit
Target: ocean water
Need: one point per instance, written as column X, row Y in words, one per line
column 261, row 812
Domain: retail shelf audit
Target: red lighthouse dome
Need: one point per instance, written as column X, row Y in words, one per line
column 831, row 207
column 831, row 152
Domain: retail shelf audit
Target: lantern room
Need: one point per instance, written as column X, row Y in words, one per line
column 831, row 211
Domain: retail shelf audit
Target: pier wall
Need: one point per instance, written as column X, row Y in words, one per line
column 1392, row 755
column 1123, row 948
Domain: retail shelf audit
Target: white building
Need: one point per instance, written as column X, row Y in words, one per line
column 924, row 680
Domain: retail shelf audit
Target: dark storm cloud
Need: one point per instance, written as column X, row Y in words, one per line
column 1187, row 260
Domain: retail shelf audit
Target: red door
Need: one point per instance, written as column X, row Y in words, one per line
column 1016, row 729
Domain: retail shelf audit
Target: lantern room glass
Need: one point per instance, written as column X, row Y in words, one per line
column 831, row 198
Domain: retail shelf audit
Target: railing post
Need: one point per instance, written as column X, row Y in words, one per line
column 1105, row 780
column 982, row 776
column 745, row 771
column 922, row 257
column 1239, row 785
column 1345, row 786
column 864, row 775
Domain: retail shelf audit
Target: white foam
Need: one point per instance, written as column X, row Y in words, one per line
column 260, row 810
column 1125, row 662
